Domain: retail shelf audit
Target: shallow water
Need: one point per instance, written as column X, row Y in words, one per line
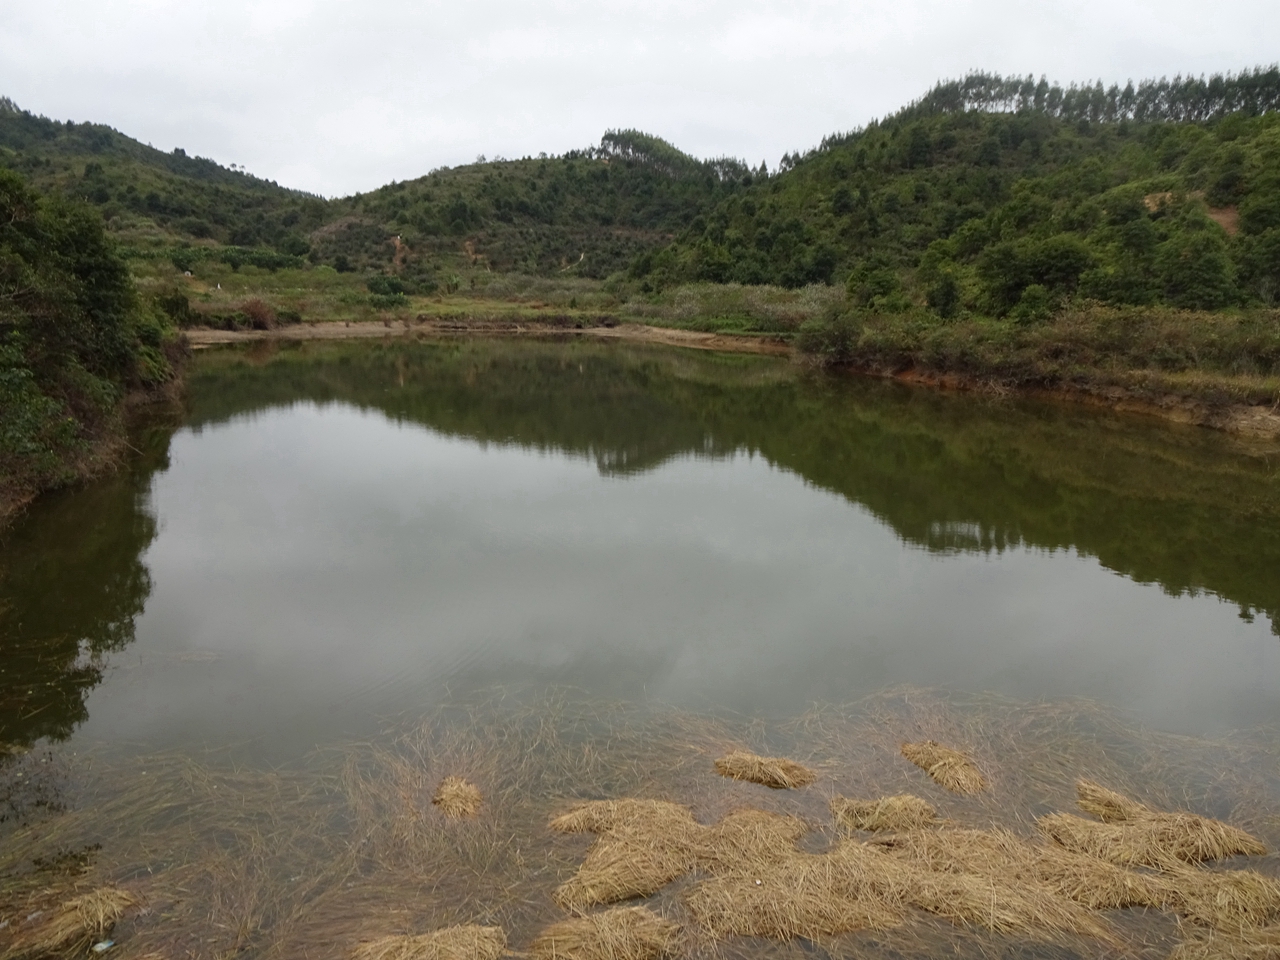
column 567, row 571
column 332, row 535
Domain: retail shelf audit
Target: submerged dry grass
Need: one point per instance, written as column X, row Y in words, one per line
column 466, row 942
column 779, row 773
column 624, row 933
column 330, row 858
column 901, row 812
column 457, row 798
column 69, row 928
column 949, row 768
column 1133, row 835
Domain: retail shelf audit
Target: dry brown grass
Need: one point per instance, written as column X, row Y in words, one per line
column 776, row 772
column 73, row 926
column 624, row 933
column 1134, row 835
column 1107, row 805
column 949, row 768
column 346, row 848
column 641, row 846
column 1243, row 944
column 1225, row 899
column 992, row 879
column 901, row 812
column 466, row 942
column 457, row 798
column 795, row 894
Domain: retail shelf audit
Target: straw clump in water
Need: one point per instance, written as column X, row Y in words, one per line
column 641, row 846
column 457, row 798
column 776, row 772
column 798, row 895
column 466, row 942
column 1134, row 835
column 996, row 880
column 73, row 926
column 951, row 769
column 623, row 933
column 758, row 883
column 903, row 812
column 1259, row 943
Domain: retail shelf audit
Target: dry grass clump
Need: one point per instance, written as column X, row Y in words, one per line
column 798, row 895
column 73, row 926
column 1244, row 944
column 467, row 942
column 753, row 840
column 624, row 933
column 992, row 879
column 776, row 772
column 457, row 798
column 903, row 812
column 949, row 768
column 642, row 846
column 758, row 883
column 1134, row 835
column 1107, row 805
column 1226, row 899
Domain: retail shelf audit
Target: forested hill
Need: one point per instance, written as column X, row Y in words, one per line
column 591, row 211
column 147, row 193
column 990, row 195
column 1005, row 195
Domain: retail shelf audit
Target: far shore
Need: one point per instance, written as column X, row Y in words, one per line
column 1252, row 421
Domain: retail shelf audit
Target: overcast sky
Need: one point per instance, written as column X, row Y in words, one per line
column 337, row 96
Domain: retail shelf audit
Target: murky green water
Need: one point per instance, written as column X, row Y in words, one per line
column 336, row 534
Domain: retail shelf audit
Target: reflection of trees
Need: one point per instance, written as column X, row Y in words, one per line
column 72, row 583
column 1182, row 508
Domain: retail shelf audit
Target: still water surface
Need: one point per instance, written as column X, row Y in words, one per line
column 335, row 534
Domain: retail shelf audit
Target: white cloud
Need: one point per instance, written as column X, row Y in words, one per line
column 337, row 96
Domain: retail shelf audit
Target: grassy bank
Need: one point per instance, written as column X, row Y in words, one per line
column 1153, row 353
column 1159, row 354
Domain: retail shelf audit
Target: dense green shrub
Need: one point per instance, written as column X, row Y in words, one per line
column 74, row 336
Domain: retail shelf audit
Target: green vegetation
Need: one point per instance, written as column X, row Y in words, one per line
column 960, row 209
column 589, row 212
column 151, row 197
column 75, row 338
column 1002, row 230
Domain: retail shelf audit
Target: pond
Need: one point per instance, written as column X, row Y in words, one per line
column 331, row 542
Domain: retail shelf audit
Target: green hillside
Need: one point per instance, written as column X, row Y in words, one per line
column 589, row 212
column 988, row 196
column 146, row 194
column 998, row 196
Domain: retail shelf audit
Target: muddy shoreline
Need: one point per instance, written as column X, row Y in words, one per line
column 1259, row 422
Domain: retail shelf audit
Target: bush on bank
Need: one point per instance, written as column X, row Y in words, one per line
column 1229, row 355
column 75, row 340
